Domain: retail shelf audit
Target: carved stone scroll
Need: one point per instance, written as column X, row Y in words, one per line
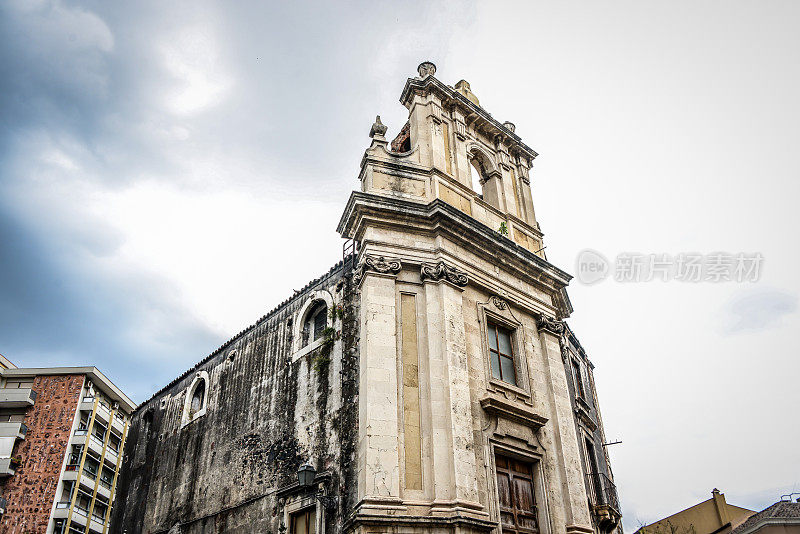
column 441, row 271
column 377, row 264
column 552, row 326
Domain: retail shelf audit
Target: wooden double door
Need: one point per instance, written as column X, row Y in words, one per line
column 515, row 488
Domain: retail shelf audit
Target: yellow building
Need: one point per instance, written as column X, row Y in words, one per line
column 713, row 516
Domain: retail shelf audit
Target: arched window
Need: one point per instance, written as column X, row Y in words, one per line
column 195, row 402
column 316, row 321
column 475, row 174
column 198, row 398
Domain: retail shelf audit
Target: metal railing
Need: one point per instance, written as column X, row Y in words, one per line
column 602, row 491
column 78, row 509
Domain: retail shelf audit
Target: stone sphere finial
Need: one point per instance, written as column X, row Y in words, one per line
column 510, row 126
column 425, row 69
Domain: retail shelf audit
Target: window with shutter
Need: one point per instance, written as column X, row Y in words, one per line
column 517, row 499
column 315, row 323
column 304, row 522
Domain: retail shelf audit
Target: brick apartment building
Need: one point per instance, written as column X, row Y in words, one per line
column 62, row 430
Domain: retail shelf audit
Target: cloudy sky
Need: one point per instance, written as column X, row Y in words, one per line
column 171, row 171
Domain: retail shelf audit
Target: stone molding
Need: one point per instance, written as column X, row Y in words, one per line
column 551, row 326
column 513, row 411
column 465, row 522
column 498, row 302
column 442, row 272
column 377, row 264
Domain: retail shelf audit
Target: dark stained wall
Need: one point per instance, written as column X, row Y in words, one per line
column 266, row 415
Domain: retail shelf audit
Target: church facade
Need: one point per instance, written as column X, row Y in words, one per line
column 427, row 382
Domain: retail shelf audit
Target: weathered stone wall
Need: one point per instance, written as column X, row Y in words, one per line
column 269, row 410
column 30, row 492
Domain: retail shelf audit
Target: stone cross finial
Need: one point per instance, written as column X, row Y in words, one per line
column 425, row 69
column 378, row 128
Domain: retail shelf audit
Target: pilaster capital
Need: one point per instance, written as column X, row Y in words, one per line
column 443, row 272
column 378, row 264
column 551, row 326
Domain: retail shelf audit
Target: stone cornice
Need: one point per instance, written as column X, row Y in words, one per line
column 450, row 95
column 440, row 217
column 513, row 411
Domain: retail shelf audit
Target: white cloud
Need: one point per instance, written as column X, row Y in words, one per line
column 191, row 56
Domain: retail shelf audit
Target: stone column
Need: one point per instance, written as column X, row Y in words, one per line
column 493, row 189
column 379, row 468
column 569, row 488
column 454, row 464
column 526, row 200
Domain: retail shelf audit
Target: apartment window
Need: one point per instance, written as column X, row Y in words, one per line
column 19, row 383
column 501, row 355
column 315, row 323
column 517, row 499
column 304, row 521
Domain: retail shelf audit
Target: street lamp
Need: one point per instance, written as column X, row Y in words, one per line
column 306, row 474
column 305, row 477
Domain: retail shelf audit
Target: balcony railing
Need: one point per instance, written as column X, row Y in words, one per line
column 17, row 397
column 80, row 510
column 105, row 483
column 602, row 491
column 15, row 429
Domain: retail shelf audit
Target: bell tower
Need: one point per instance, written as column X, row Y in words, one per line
column 465, row 419
column 447, row 140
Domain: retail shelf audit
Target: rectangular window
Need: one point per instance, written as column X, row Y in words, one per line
column 516, row 496
column 592, row 482
column 18, row 383
column 304, row 522
column 501, row 355
column 578, row 376
column 320, row 323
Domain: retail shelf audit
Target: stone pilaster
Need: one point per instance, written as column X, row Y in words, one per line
column 569, row 486
column 379, row 469
column 454, row 464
